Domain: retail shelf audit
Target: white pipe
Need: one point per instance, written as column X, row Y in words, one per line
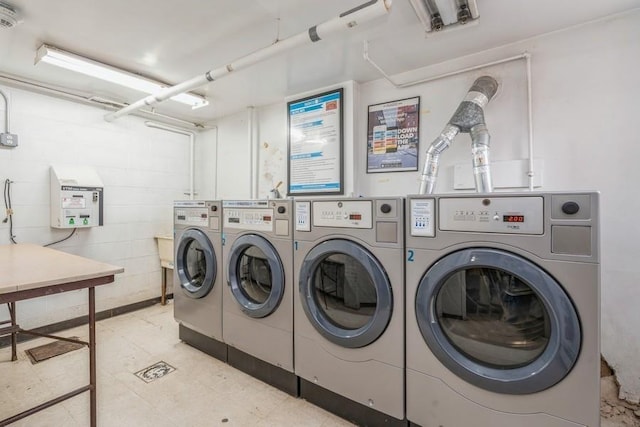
column 352, row 18
column 252, row 136
column 439, row 76
column 215, row 185
column 530, row 172
column 525, row 55
column 93, row 101
column 192, row 138
column 7, row 113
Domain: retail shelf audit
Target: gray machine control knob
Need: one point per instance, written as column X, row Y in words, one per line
column 281, row 209
column 385, row 208
column 570, row 208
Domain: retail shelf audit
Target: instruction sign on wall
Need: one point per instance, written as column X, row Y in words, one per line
column 315, row 131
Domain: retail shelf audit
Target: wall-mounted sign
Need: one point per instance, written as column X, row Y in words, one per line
column 315, row 134
column 393, row 136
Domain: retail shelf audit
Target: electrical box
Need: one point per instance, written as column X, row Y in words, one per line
column 77, row 197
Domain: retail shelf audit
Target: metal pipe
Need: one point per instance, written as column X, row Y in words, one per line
column 192, row 138
column 525, row 55
column 387, row 77
column 349, row 19
column 6, row 111
column 530, row 172
column 94, row 101
column 480, row 155
column 430, row 172
column 253, row 152
column 468, row 118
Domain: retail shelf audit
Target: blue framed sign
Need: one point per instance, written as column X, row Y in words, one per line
column 315, row 144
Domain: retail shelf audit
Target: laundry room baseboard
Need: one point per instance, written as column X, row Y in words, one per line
column 213, row 348
column 270, row 374
column 346, row 408
column 54, row 328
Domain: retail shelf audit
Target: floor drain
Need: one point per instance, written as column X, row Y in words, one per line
column 155, row 371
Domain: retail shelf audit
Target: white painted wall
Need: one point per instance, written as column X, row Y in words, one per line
column 586, row 87
column 206, row 164
column 143, row 171
column 233, row 164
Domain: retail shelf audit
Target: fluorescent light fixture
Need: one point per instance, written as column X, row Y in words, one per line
column 70, row 61
column 435, row 15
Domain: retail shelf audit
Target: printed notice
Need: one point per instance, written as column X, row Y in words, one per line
column 392, row 142
column 315, row 144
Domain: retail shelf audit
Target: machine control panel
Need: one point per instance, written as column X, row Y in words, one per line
column 198, row 213
column 510, row 215
column 341, row 214
column 259, row 219
column 197, row 216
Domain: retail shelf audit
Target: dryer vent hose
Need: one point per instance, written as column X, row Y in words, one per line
column 468, row 118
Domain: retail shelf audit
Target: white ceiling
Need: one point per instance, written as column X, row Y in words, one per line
column 172, row 41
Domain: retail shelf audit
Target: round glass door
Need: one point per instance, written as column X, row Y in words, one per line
column 345, row 293
column 498, row 321
column 256, row 275
column 195, row 263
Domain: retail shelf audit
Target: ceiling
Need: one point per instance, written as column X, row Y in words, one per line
column 175, row 40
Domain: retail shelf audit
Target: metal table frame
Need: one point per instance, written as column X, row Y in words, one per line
column 11, row 298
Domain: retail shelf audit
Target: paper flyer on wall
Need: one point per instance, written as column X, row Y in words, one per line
column 392, row 136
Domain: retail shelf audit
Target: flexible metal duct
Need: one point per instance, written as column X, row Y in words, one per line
column 468, row 118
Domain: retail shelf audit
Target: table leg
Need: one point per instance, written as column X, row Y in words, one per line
column 92, row 355
column 163, row 298
column 14, row 335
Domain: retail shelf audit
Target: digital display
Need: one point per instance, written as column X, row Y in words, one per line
column 355, row 217
column 513, row 218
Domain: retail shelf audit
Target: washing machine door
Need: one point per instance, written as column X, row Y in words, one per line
column 256, row 275
column 196, row 263
column 345, row 293
column 498, row 321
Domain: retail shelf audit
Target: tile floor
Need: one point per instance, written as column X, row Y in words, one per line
column 202, row 391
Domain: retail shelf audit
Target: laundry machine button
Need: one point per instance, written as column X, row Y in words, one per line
column 385, row 208
column 281, row 209
column 570, row 208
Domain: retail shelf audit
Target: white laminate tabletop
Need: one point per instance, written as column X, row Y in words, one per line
column 28, row 266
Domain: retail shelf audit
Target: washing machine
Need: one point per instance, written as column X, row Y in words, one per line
column 198, row 275
column 258, row 299
column 503, row 310
column 349, row 307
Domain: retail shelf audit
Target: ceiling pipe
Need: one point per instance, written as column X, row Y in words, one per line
column 7, row 105
column 192, row 140
column 349, row 19
column 94, row 101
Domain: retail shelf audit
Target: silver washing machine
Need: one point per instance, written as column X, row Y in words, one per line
column 503, row 310
column 198, row 273
column 258, row 299
column 349, row 306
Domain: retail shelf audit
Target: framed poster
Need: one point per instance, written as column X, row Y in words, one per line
column 315, row 133
column 393, row 136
